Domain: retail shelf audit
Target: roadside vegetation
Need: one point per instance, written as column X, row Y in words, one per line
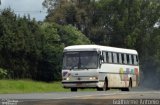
column 33, row 50
column 28, row 86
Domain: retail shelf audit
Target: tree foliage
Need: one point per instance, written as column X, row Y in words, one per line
column 78, row 13
column 29, row 49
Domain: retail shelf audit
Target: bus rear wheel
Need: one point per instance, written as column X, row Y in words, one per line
column 73, row 89
column 129, row 87
column 125, row 89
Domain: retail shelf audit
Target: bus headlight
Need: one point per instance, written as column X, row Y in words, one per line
column 93, row 78
column 67, row 78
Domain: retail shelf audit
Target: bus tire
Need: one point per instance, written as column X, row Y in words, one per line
column 105, row 86
column 124, row 89
column 99, row 89
column 130, row 83
column 73, row 89
column 129, row 87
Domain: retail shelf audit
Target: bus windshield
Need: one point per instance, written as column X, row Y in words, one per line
column 80, row 60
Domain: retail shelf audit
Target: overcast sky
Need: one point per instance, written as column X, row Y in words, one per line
column 25, row 7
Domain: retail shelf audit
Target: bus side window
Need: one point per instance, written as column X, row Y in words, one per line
column 130, row 59
column 120, row 58
column 117, row 58
column 104, row 56
column 114, row 57
column 135, row 59
column 109, row 57
column 125, row 59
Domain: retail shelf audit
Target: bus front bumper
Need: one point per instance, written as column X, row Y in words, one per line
column 80, row 84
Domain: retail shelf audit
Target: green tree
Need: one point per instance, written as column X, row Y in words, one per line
column 56, row 38
column 20, row 45
column 29, row 49
column 78, row 13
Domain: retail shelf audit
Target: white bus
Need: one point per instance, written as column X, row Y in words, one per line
column 100, row 67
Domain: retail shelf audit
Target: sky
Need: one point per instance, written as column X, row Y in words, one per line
column 25, row 7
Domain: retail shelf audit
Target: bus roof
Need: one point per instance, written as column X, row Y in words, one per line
column 98, row 47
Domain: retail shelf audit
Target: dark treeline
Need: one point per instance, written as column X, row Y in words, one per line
column 31, row 49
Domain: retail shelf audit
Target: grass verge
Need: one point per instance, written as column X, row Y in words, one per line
column 29, row 86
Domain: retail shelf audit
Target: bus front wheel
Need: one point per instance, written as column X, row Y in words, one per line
column 99, row 89
column 105, row 86
column 73, row 89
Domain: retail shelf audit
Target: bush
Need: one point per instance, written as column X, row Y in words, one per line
column 3, row 73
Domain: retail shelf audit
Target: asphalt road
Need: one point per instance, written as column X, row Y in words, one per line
column 79, row 98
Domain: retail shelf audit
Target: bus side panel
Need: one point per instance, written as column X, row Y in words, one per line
column 119, row 75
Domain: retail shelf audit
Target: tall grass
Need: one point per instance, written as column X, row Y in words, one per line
column 28, row 86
